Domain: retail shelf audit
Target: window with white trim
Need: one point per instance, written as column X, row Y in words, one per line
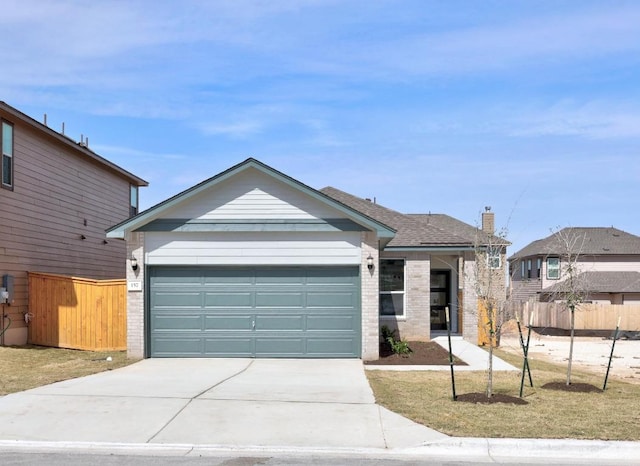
column 133, row 200
column 553, row 268
column 494, row 261
column 539, row 267
column 392, row 287
column 6, row 143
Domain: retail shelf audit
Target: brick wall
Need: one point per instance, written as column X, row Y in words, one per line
column 470, row 299
column 416, row 323
column 370, row 287
column 135, row 299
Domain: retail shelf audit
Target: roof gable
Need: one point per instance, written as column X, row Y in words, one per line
column 265, row 193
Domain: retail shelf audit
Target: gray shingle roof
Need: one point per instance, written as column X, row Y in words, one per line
column 412, row 230
column 604, row 282
column 459, row 228
column 597, row 241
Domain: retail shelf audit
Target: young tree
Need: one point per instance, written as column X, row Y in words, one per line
column 572, row 290
column 491, row 289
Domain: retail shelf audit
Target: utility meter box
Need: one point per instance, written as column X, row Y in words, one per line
column 6, row 293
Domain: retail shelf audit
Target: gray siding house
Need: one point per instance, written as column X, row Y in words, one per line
column 253, row 263
column 57, row 199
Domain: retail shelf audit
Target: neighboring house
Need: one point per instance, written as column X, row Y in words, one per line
column 57, row 199
column 608, row 263
column 253, row 263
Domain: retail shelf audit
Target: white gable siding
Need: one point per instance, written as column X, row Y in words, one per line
column 252, row 195
column 335, row 248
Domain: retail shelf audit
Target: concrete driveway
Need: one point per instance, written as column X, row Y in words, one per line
column 226, row 402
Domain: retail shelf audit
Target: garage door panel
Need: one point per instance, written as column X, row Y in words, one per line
column 172, row 323
column 177, row 347
column 228, row 299
column 335, row 276
column 331, row 300
column 280, row 323
column 330, row 347
column 228, row 322
column 175, row 277
column 319, row 322
column 176, row 299
column 279, row 299
column 229, row 347
column 228, row 276
column 279, row 347
column 280, row 276
column 254, row 311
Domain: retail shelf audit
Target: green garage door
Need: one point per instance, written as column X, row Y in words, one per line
column 301, row 312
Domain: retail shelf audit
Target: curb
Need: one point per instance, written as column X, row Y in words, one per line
column 531, row 448
column 474, row 448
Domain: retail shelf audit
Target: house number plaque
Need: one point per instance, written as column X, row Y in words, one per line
column 134, row 285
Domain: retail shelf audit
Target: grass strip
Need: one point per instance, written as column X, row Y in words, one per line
column 425, row 397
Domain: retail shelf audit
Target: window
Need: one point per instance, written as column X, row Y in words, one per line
column 7, row 155
column 522, row 275
column 538, row 267
column 553, row 268
column 528, row 268
column 392, row 287
column 133, row 201
column 493, row 258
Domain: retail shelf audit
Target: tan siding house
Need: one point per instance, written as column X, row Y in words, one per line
column 607, row 260
column 57, row 199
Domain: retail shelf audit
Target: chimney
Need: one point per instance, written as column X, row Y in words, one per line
column 488, row 221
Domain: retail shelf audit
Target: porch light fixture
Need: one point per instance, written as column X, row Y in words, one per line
column 134, row 263
column 370, row 262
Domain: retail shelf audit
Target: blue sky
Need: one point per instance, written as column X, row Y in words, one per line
column 531, row 107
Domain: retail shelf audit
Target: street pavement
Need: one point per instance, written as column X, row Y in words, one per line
column 203, row 407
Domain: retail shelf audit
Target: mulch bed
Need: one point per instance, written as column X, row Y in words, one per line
column 574, row 387
column 423, row 353
column 495, row 398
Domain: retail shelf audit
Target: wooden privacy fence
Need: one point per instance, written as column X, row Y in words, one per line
column 77, row 313
column 588, row 316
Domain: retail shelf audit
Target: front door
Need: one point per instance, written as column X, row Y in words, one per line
column 440, row 299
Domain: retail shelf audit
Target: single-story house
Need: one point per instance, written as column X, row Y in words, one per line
column 253, row 263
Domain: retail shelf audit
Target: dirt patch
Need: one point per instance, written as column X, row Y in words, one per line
column 590, row 353
column 495, row 398
column 573, row 387
column 423, row 353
